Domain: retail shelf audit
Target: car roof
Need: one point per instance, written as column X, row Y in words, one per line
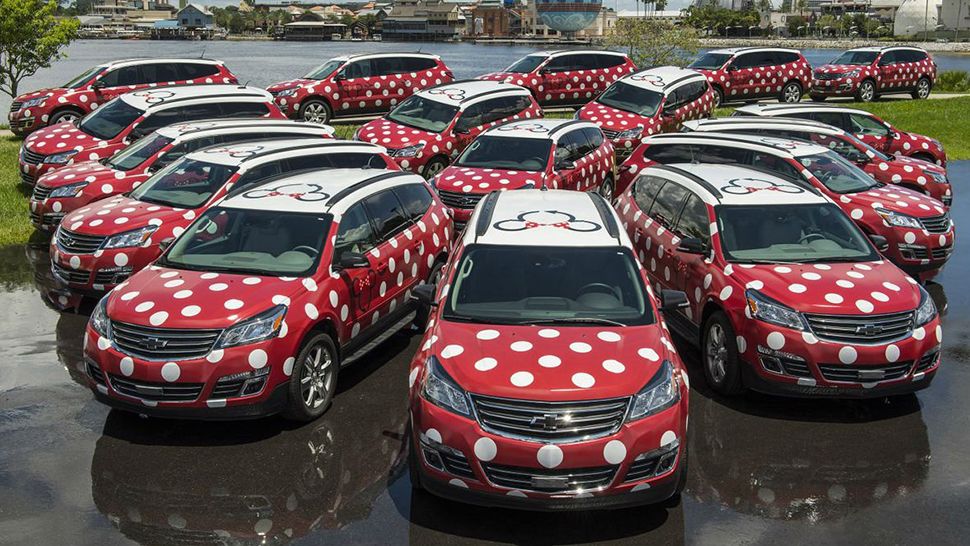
column 540, row 128
column 758, row 122
column 662, row 78
column 152, row 60
column 465, row 91
column 259, row 151
column 778, row 146
column 160, row 97
column 545, row 218
column 886, row 48
column 323, row 191
column 361, row 56
column 762, row 109
column 736, row 50
column 720, row 184
column 224, row 126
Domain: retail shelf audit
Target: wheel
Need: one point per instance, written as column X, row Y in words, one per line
column 817, row 98
column 314, row 379
column 866, row 91
column 606, row 189
column 433, row 167
column 792, row 92
column 64, row 115
column 923, row 87
column 422, row 313
column 719, row 354
column 718, row 97
column 414, row 467
column 316, row 111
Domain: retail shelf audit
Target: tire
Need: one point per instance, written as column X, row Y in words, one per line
column 723, row 374
column 316, row 111
column 68, row 114
column 718, row 97
column 433, row 167
column 817, row 98
column 866, row 91
column 791, row 93
column 923, row 88
column 322, row 384
column 607, row 189
column 422, row 313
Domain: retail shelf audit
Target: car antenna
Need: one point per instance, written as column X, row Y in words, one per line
column 202, row 55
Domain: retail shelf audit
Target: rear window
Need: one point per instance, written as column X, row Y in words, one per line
column 191, row 71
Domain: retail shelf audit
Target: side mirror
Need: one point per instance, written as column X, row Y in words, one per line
column 732, row 68
column 424, row 294
column 692, row 245
column 565, row 165
column 164, row 244
column 98, row 85
column 461, row 130
column 353, row 260
column 671, row 300
column 880, row 242
column 340, row 76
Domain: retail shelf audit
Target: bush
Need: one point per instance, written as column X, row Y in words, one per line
column 952, row 81
column 651, row 43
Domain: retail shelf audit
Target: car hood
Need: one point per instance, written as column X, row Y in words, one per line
column 549, row 362
column 500, row 76
column 197, row 299
column 85, row 171
column 389, row 134
column 64, row 137
column 903, row 161
column 614, row 118
column 832, row 288
column 894, row 198
column 39, row 93
column 478, row 181
column 838, row 68
column 122, row 214
column 288, row 84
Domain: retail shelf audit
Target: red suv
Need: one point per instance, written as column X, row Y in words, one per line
column 565, row 78
column 359, row 84
column 869, row 128
column 99, row 246
column 265, row 297
column 915, row 174
column 131, row 116
column 544, row 153
column 788, row 296
column 547, row 379
column 98, row 85
column 427, row 130
column 914, row 231
column 67, row 189
column 650, row 101
column 751, row 73
column 868, row 72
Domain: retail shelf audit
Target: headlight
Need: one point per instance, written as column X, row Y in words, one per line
column 852, row 74
column 99, row 318
column 927, row 309
column 286, row 92
column 772, row 312
column 59, row 159
column 630, row 133
column 34, row 102
column 441, row 390
column 937, row 177
column 128, row 239
column 263, row 326
column 660, row 393
column 899, row 220
column 70, row 190
column 410, row 151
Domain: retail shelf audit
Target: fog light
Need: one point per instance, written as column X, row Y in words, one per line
column 241, row 384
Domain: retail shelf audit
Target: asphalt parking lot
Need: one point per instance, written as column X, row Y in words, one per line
column 762, row 469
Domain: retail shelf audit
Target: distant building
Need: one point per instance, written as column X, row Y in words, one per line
column 432, row 20
column 193, row 17
column 955, row 15
column 496, row 18
column 916, row 17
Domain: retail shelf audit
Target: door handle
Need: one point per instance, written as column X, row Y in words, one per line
column 382, row 267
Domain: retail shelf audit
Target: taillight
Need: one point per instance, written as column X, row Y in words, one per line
column 449, row 74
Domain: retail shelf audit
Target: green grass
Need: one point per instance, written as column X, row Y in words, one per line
column 944, row 119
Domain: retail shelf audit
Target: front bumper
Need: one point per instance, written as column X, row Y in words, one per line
column 46, row 213
column 290, row 105
column 919, row 251
column 24, row 121
column 102, row 270
column 840, row 87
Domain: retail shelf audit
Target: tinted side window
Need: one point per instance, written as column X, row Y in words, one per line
column 669, row 153
column 415, row 198
column 595, row 137
column 668, row 203
column 571, row 146
column 359, row 69
column 645, row 191
column 746, row 60
column 192, row 71
column 257, row 175
column 414, row 64
column 785, row 57
column 496, row 109
column 156, row 120
column 694, row 221
column 159, row 73
column 561, row 63
column 386, row 66
column 888, row 57
column 775, row 164
column 244, row 109
column 609, row 61
column 127, row 75
column 718, row 154
column 355, row 233
column 832, row 118
column 388, row 214
column 187, row 147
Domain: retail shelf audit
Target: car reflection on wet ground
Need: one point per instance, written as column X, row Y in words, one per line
column 762, row 469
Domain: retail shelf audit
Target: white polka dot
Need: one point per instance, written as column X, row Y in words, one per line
column 452, row 351
column 485, row 449
column 549, row 361
column 158, row 318
column 548, row 333
column 614, row 452
column 609, row 336
column 182, row 294
column 191, row 310
column 487, row 334
column 580, row 347
column 549, row 456
column 613, row 366
column 865, row 306
column 847, row 355
column 215, row 356
column 522, row 379
column 521, row 346
column 892, row 353
column 726, row 293
column 258, row 358
column 919, row 333
column 103, row 343
column 218, row 287
column 668, row 438
column 583, row 380
column 797, row 288
column 776, row 340
column 171, row 371
column 486, row 364
column 233, row 304
column 311, row 311
column 834, row 298
column 127, row 366
column 649, row 354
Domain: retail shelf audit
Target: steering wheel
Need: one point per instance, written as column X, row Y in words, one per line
column 599, row 287
column 805, row 238
column 308, row 250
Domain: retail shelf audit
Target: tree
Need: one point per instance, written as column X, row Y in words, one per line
column 654, row 43
column 31, row 38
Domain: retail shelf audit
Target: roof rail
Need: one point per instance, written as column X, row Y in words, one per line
column 485, row 215
column 730, row 137
column 692, row 177
column 322, row 141
column 177, row 100
column 363, row 183
column 606, row 214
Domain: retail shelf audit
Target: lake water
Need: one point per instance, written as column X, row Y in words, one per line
column 263, row 63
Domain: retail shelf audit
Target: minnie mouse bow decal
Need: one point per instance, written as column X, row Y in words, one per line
column 238, row 152
column 154, row 96
column 308, row 193
column 547, row 218
column 745, row 186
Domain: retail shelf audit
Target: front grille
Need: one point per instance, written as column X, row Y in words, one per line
column 31, row 157
column 927, row 361
column 942, row 252
column 15, row 106
column 550, row 421
column 111, row 277
column 828, row 76
column 459, row 200
column 798, row 368
column 549, row 480
column 936, row 224
column 610, row 134
column 76, row 276
column 46, row 220
column 41, row 193
column 456, row 464
column 27, row 178
column 163, row 343
column 861, row 328
column 78, row 243
column 158, row 392
column 864, row 374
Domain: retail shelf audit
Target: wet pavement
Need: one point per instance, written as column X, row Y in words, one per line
column 762, row 469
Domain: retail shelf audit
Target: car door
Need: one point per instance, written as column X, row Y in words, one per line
column 887, row 71
column 353, row 82
column 741, row 75
column 390, row 220
column 555, row 76
column 656, row 241
column 689, row 266
column 567, row 156
column 417, row 200
column 473, row 121
column 355, row 235
column 118, row 81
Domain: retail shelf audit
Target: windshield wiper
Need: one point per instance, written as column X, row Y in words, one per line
column 574, row 320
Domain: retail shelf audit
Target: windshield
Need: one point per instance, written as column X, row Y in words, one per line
column 109, row 120
column 83, row 78
column 631, row 98
column 253, row 242
column 856, row 57
column 187, row 183
column 521, row 154
column 323, row 71
column 791, row 233
column 526, row 64
column 526, row 285
column 137, row 153
column 837, row 173
column 424, row 114
column 710, row 61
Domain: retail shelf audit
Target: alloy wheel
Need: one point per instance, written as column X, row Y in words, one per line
column 923, row 89
column 866, row 91
column 315, row 113
column 317, row 377
column 793, row 93
column 717, row 353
